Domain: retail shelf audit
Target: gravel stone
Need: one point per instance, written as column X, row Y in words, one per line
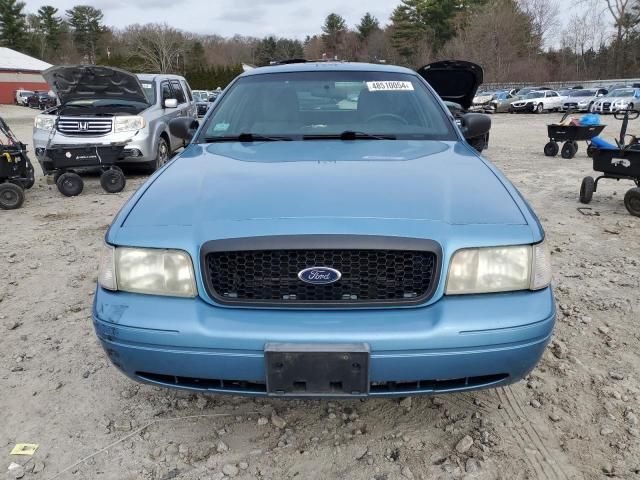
column 464, row 444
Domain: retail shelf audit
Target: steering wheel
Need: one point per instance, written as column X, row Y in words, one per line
column 391, row 116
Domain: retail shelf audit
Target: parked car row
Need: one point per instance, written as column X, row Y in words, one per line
column 35, row 99
column 543, row 99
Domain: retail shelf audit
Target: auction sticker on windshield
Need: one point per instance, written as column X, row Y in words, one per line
column 389, row 86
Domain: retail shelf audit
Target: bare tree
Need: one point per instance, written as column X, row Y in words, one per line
column 625, row 19
column 545, row 19
column 583, row 34
column 158, row 47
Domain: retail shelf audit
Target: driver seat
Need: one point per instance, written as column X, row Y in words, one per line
column 381, row 103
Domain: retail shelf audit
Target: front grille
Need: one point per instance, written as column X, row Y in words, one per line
column 606, row 106
column 80, row 126
column 570, row 105
column 369, row 276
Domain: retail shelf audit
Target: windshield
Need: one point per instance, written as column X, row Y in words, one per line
column 534, row 95
column 304, row 105
column 199, row 97
column 502, row 95
column 582, row 93
column 26, row 94
column 149, row 90
column 621, row 92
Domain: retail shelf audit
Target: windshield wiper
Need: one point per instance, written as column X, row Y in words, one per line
column 350, row 135
column 247, row 137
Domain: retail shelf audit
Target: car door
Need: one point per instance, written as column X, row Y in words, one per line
column 167, row 92
column 193, row 109
column 552, row 100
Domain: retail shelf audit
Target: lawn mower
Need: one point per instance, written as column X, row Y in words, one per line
column 16, row 170
column 618, row 162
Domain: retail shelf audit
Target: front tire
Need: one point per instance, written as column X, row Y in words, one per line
column 540, row 108
column 163, row 153
column 632, row 201
column 113, row 181
column 586, row 189
column 70, row 184
column 568, row 150
column 551, row 149
column 11, row 196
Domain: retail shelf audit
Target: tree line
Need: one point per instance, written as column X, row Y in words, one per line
column 514, row 40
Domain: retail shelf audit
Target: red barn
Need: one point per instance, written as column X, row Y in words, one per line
column 19, row 71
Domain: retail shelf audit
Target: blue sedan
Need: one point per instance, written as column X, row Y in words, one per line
column 328, row 231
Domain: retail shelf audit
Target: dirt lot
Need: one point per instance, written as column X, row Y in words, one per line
column 575, row 416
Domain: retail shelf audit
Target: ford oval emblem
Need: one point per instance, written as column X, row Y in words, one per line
column 319, row 275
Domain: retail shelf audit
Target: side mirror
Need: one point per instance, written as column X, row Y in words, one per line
column 170, row 103
column 183, row 127
column 475, row 125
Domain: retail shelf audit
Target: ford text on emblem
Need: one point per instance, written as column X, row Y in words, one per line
column 319, row 275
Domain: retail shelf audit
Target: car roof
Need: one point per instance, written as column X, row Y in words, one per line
column 328, row 67
column 150, row 77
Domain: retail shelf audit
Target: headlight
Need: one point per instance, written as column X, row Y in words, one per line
column 44, row 122
column 147, row 270
column 499, row 269
column 129, row 123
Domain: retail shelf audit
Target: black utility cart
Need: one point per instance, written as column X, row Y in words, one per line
column 63, row 161
column 570, row 135
column 622, row 163
column 16, row 170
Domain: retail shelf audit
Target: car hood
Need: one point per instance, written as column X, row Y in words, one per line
column 615, row 99
column 454, row 80
column 578, row 99
column 81, row 82
column 525, row 100
column 320, row 180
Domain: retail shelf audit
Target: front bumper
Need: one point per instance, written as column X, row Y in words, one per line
column 140, row 146
column 529, row 107
column 455, row 344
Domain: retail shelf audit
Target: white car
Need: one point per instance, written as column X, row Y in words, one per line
column 537, row 101
column 581, row 100
column 618, row 99
column 22, row 96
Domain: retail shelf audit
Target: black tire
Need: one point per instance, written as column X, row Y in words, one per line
column 575, row 147
column 568, row 151
column 539, row 108
column 551, row 149
column 632, row 201
column 586, row 189
column 11, row 196
column 163, row 154
column 70, row 184
column 113, row 181
column 590, row 150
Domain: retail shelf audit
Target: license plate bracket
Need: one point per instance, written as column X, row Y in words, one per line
column 317, row 369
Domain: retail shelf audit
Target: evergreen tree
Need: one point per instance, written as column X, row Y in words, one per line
column 86, row 25
column 368, row 24
column 13, row 25
column 49, row 31
column 334, row 30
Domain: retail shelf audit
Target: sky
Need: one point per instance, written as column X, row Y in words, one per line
column 256, row 18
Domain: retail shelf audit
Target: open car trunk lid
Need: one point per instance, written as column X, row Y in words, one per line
column 88, row 82
column 454, row 80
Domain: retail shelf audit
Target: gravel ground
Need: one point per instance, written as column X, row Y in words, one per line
column 574, row 417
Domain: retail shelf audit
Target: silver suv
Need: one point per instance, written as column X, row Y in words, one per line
column 104, row 105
